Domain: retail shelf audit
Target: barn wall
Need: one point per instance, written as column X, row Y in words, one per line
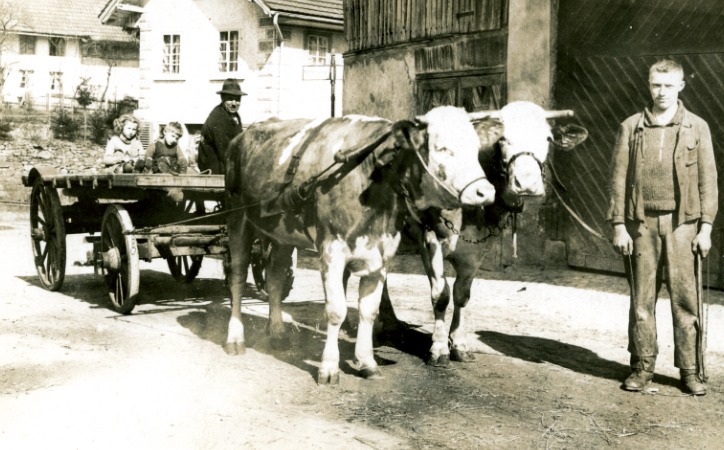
column 380, row 85
column 530, row 58
column 514, row 55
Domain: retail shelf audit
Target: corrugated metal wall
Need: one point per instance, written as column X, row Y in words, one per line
column 604, row 50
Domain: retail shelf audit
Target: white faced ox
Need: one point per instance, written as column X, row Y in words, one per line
column 356, row 178
column 514, row 147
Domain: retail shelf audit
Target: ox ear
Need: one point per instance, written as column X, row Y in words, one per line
column 568, row 136
column 489, row 132
column 409, row 135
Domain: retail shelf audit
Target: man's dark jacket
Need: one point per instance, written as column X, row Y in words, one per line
column 694, row 168
column 216, row 133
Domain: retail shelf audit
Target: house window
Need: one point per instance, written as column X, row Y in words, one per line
column 171, row 53
column 56, row 46
column 27, row 44
column 228, row 51
column 56, row 81
column 25, row 78
column 318, row 48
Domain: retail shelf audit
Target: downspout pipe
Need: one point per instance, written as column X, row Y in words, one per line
column 275, row 21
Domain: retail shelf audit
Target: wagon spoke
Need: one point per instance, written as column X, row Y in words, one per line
column 41, row 203
column 119, row 290
column 185, row 261
column 49, row 269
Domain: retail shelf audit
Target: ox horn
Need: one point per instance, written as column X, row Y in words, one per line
column 480, row 115
column 559, row 114
column 495, row 114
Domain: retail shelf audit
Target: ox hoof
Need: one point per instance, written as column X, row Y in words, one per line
column 235, row 348
column 371, row 373
column 461, row 355
column 438, row 361
column 279, row 343
column 327, row 378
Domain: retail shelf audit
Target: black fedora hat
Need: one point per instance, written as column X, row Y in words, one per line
column 231, row 87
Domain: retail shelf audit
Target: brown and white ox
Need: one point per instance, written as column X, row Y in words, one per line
column 514, row 147
column 356, row 207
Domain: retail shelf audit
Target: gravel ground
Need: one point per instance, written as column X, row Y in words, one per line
column 550, row 347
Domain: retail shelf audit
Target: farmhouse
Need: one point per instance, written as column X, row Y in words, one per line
column 282, row 52
column 51, row 46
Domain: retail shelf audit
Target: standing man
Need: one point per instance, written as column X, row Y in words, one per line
column 663, row 202
column 222, row 125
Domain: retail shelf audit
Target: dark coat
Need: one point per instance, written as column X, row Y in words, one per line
column 216, row 133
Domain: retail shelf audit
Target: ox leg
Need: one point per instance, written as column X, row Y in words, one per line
column 333, row 267
column 240, row 239
column 370, row 292
column 440, row 296
column 466, row 263
column 280, row 260
column 458, row 334
column 388, row 327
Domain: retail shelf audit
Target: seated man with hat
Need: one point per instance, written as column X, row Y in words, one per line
column 221, row 126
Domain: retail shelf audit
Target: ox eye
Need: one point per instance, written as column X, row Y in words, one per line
column 446, row 150
column 441, row 174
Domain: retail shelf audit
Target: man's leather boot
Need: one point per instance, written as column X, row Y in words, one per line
column 690, row 382
column 638, row 380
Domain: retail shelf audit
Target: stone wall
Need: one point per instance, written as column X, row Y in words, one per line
column 22, row 153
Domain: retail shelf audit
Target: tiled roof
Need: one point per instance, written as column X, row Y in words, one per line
column 331, row 9
column 68, row 18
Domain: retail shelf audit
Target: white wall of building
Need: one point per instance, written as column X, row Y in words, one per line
column 272, row 76
column 123, row 81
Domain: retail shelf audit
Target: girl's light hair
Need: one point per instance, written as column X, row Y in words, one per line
column 120, row 122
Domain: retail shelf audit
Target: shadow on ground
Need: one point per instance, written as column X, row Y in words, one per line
column 578, row 359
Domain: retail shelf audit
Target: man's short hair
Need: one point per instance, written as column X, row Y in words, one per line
column 666, row 66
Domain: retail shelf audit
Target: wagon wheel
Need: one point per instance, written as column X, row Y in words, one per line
column 184, row 269
column 119, row 259
column 260, row 251
column 47, row 234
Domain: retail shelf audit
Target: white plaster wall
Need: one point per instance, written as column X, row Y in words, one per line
column 123, row 81
column 274, row 86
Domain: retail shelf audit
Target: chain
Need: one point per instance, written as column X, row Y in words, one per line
column 493, row 231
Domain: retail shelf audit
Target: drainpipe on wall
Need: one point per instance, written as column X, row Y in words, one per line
column 275, row 20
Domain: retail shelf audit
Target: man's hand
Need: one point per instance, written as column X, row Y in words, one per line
column 622, row 241
column 702, row 241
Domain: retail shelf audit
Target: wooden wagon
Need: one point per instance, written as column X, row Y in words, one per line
column 128, row 218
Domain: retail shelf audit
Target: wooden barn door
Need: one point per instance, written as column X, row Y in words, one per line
column 602, row 75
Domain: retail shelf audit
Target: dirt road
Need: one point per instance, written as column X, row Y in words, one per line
column 550, row 347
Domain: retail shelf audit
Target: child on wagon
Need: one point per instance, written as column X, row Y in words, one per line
column 124, row 151
column 165, row 155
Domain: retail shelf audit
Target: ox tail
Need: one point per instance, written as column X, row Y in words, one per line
column 234, row 154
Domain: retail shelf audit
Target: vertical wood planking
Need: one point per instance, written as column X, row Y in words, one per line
column 378, row 23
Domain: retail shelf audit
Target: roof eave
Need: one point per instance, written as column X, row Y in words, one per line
column 122, row 13
column 301, row 19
